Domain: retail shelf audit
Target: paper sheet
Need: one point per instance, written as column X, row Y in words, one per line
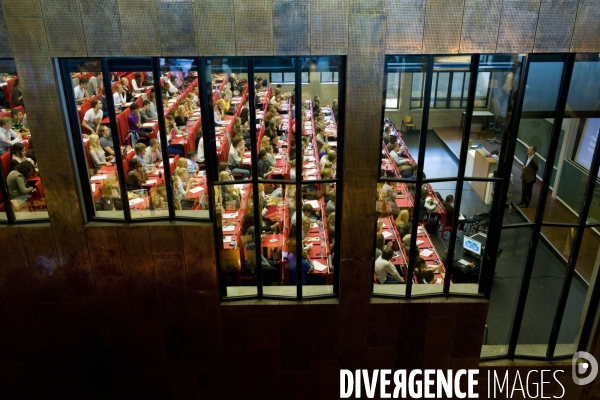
column 426, row 252
column 135, row 201
column 231, row 215
column 99, row 177
column 196, row 189
column 318, row 266
column 226, row 239
column 148, row 124
column 313, row 203
column 420, row 242
column 229, row 228
column 386, row 234
column 150, row 181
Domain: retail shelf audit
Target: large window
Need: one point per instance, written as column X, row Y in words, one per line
column 478, row 195
column 21, row 192
column 277, row 225
column 271, row 151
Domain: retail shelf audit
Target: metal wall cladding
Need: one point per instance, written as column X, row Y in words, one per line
column 215, row 26
column 291, row 27
column 102, row 28
column 139, row 28
column 405, row 26
column 329, row 27
column 63, row 28
column 22, row 9
column 481, row 21
column 587, row 26
column 253, row 27
column 443, row 21
column 517, row 26
column 555, row 25
column 368, row 7
column 177, row 23
column 5, row 50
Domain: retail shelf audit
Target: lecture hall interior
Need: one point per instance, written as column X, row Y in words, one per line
column 431, row 165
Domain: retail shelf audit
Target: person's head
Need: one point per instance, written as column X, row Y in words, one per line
column 4, row 77
column 326, row 147
column 380, row 241
column 223, row 167
column 140, row 149
column 419, row 263
column 332, row 197
column 162, row 190
column 25, row 168
column 146, row 105
column 305, row 224
column 387, row 129
column 262, row 155
column 424, row 194
column 170, row 120
column 331, row 157
column 394, row 140
column 137, row 77
column 94, row 141
column 134, row 107
column 119, row 88
column 326, row 173
column 327, row 165
column 237, row 121
column 83, row 82
column 181, row 173
column 18, row 150
column 429, row 276
column 6, row 123
column 293, row 164
column 125, row 83
column 107, row 192
column 307, row 209
column 96, row 104
column 196, row 90
column 182, row 163
column 391, row 147
column 224, row 176
column 335, row 102
column 403, row 216
column 316, row 99
column 17, row 115
column 98, row 75
column 236, row 141
column 154, row 144
column 192, row 155
column 153, row 97
column 269, row 149
column 103, row 131
column 449, row 199
column 387, row 253
column 406, row 240
column 531, row 150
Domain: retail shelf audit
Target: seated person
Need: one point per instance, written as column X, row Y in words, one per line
column 386, row 272
column 107, row 202
column 17, row 180
column 394, row 149
column 236, row 155
column 134, row 121
column 97, row 153
column 140, row 152
column 120, row 97
column 159, row 198
column 429, row 277
column 106, row 141
column 410, row 173
column 136, row 176
column 153, row 154
column 80, row 91
column 17, row 121
column 306, row 263
column 8, row 137
column 268, row 267
column 402, row 223
column 146, row 113
column 421, row 268
column 192, row 162
column 330, row 207
column 18, row 155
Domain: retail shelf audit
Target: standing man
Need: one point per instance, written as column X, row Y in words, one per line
column 528, row 176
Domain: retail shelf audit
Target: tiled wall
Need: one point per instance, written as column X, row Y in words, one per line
column 135, row 309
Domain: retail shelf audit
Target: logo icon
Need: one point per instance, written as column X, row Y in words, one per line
column 588, row 367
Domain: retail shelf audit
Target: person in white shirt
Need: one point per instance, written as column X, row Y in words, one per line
column 8, row 137
column 196, row 99
column 119, row 97
column 80, row 91
column 136, row 82
column 386, row 272
column 217, row 114
column 393, row 148
column 92, row 118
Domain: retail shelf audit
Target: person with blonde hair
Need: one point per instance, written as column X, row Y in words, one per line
column 402, row 223
column 97, row 153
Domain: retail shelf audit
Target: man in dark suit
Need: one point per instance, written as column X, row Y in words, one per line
column 528, row 176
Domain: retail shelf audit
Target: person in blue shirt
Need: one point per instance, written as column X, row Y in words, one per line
column 307, row 264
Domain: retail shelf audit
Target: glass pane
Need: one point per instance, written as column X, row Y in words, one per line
column 318, row 236
column 234, row 212
column 136, row 119
column 319, row 135
column 18, row 155
column 534, row 134
column 497, row 81
column 443, row 81
column 505, row 290
column 230, row 120
column 185, row 144
column 393, row 85
column 416, row 96
column 549, row 271
column 579, row 295
column 95, row 139
column 444, row 126
column 394, row 208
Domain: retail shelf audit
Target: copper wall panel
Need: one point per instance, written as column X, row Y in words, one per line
column 138, row 25
column 253, row 27
column 368, row 7
column 291, row 27
column 22, row 9
column 64, row 28
column 5, row 50
column 329, row 27
column 405, row 26
column 517, row 26
column 199, row 256
column 177, row 24
column 480, row 25
column 103, row 247
column 587, row 26
column 555, row 25
column 211, row 17
column 443, row 22
column 102, row 28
